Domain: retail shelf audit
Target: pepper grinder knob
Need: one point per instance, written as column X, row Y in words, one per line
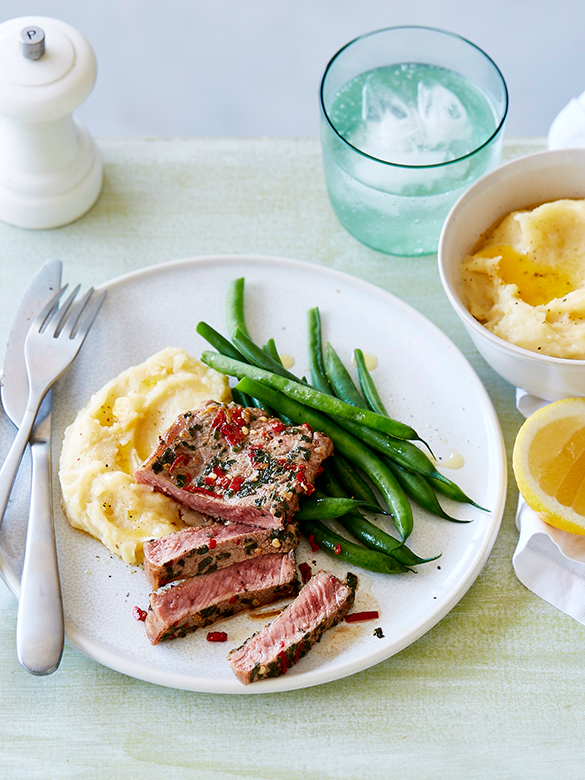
column 32, row 42
column 50, row 168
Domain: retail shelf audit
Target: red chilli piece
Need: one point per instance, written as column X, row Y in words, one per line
column 229, row 430
column 231, row 433
column 236, row 483
column 358, row 617
column 217, row 636
column 299, row 651
column 139, row 614
column 196, row 489
column 337, row 549
column 212, row 544
column 219, row 419
column 306, row 572
column 253, row 452
column 284, row 662
column 306, row 485
column 180, row 460
column 313, row 543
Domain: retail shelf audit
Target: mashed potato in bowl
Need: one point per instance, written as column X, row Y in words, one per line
column 114, row 434
column 525, row 280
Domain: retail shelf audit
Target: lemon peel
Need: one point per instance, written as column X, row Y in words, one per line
column 549, row 464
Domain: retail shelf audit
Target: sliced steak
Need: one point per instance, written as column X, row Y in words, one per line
column 321, row 604
column 237, row 464
column 200, row 601
column 195, row 551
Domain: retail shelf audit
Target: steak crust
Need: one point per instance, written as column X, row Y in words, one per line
column 322, row 603
column 200, row 601
column 237, row 464
column 196, row 551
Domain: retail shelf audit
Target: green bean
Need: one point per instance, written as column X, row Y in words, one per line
column 225, row 347
column 376, row 539
column 403, row 452
column 241, row 398
column 235, row 307
column 417, row 487
column 340, row 380
column 221, row 344
column 437, row 480
column 345, row 473
column 413, row 483
column 449, row 489
column 352, row 553
column 330, row 507
column 346, row 390
column 369, row 534
column 344, row 387
column 367, row 384
column 318, row 375
column 344, row 442
column 309, row 396
column 256, row 356
column 270, row 349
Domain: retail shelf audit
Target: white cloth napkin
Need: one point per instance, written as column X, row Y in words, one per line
column 549, row 562
column 568, row 128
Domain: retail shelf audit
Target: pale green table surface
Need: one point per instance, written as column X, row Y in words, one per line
column 493, row 691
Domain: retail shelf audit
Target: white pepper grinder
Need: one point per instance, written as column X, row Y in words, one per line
column 50, row 168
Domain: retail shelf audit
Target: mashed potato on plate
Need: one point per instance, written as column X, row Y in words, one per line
column 114, row 434
column 525, row 281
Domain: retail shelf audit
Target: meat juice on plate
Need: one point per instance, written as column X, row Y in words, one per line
column 403, row 119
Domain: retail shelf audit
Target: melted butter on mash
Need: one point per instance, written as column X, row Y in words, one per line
column 114, row 434
column 525, row 281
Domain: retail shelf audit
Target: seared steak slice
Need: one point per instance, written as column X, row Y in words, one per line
column 237, row 464
column 200, row 601
column 321, row 604
column 195, row 551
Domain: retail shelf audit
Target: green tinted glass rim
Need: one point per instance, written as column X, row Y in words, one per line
column 478, row 149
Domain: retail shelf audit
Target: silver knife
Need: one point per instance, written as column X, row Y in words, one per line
column 40, row 629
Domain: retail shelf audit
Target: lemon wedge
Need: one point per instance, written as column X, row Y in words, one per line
column 549, row 464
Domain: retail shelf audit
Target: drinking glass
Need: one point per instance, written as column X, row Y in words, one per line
column 410, row 117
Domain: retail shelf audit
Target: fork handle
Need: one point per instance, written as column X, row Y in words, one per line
column 40, row 629
column 12, row 462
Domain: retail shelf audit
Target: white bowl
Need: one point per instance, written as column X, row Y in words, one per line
column 536, row 178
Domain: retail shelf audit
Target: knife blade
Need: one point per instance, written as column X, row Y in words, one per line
column 14, row 384
column 40, row 625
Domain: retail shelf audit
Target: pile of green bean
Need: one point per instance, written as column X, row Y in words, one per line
column 370, row 446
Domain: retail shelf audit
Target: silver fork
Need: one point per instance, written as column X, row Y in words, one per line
column 53, row 341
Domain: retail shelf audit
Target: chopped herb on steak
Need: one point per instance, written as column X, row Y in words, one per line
column 201, row 601
column 236, row 463
column 322, row 603
column 194, row 551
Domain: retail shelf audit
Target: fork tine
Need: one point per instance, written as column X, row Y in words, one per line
column 48, row 310
column 61, row 315
column 69, row 328
column 89, row 318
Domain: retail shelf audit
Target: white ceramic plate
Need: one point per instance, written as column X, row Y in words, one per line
column 423, row 379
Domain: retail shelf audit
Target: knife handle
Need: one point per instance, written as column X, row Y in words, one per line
column 40, row 629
